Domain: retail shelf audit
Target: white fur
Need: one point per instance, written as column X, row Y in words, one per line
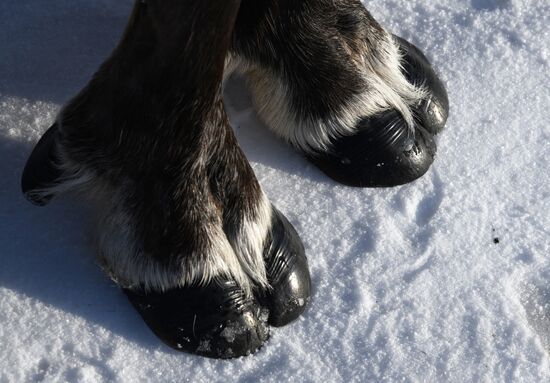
column 388, row 89
column 249, row 242
column 124, row 259
column 232, row 63
column 121, row 252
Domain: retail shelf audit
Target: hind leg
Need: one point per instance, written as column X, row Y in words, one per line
column 361, row 104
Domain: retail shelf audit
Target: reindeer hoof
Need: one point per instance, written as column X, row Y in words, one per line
column 287, row 272
column 433, row 110
column 384, row 152
column 216, row 321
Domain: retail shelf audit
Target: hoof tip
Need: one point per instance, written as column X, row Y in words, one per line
column 288, row 273
column 215, row 321
column 381, row 154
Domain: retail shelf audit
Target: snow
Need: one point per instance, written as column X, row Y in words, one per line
column 409, row 284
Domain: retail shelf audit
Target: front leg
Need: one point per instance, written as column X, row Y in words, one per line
column 183, row 226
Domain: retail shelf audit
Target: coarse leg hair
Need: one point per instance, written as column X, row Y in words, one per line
column 327, row 78
column 181, row 217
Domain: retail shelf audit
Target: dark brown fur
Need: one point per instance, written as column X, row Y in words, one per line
column 151, row 126
column 313, row 44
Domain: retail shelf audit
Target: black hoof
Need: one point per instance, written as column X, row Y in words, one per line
column 382, row 154
column 287, row 272
column 41, row 170
column 215, row 321
column 434, row 110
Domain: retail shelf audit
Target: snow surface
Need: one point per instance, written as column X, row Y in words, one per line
column 409, row 282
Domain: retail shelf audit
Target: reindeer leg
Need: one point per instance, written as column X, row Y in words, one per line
column 182, row 223
column 325, row 76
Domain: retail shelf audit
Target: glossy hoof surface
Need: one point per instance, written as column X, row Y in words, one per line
column 41, row 171
column 383, row 153
column 287, row 272
column 215, row 321
column 434, row 110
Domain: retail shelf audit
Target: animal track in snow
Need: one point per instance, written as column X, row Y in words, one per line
column 429, row 205
column 420, row 202
column 421, row 265
column 490, row 5
column 536, row 302
column 366, row 238
column 41, row 371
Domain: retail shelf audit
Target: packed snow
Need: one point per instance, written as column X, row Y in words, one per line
column 445, row 279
